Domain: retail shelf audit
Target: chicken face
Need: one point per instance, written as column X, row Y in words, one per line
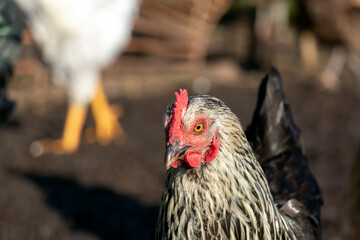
column 192, row 135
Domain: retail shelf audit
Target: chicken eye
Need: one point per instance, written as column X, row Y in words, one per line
column 199, row 128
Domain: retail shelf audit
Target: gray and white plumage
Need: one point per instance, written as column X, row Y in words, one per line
column 229, row 197
column 79, row 38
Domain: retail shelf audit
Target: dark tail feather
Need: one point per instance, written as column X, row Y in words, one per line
column 275, row 140
column 272, row 130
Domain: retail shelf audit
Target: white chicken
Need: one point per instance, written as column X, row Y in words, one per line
column 78, row 39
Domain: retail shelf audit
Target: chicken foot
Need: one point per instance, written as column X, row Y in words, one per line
column 107, row 127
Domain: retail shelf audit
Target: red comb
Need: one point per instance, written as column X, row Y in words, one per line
column 180, row 104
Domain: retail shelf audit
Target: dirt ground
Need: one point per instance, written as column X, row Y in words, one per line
column 113, row 192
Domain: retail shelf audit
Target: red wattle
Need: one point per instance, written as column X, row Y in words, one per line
column 213, row 150
column 193, row 159
column 176, row 164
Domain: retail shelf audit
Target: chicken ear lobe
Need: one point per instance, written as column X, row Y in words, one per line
column 212, row 152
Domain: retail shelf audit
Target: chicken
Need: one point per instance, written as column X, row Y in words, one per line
column 336, row 23
column 215, row 187
column 78, row 39
column 10, row 43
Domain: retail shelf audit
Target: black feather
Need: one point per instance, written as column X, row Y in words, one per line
column 11, row 26
column 274, row 137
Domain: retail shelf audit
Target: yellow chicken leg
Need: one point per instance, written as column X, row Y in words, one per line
column 106, row 119
column 107, row 127
column 70, row 140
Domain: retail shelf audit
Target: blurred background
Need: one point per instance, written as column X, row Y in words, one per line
column 217, row 47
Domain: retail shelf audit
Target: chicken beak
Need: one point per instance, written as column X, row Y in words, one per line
column 174, row 152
